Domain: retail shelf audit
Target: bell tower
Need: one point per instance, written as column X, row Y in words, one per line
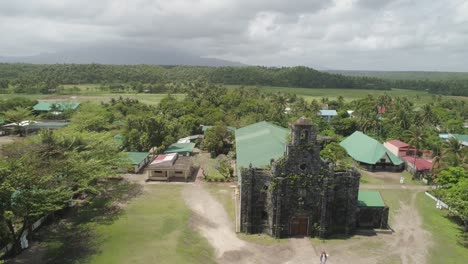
column 303, row 132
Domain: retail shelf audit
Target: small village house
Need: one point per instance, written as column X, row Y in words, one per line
column 327, row 114
column 414, row 164
column 55, row 108
column 183, row 149
column 138, row 160
column 165, row 167
column 397, row 147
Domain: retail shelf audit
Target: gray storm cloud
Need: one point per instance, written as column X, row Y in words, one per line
column 339, row 34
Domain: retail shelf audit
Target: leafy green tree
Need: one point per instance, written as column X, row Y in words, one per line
column 451, row 176
column 215, row 138
column 457, row 198
column 44, row 172
column 91, row 117
column 334, row 153
column 18, row 115
column 454, row 153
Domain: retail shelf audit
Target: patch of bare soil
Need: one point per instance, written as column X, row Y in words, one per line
column 408, row 244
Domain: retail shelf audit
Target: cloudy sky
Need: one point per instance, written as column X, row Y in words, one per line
column 335, row 34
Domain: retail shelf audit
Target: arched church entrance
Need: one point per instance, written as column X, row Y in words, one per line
column 299, row 226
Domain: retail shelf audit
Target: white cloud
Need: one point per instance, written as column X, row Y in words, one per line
column 342, row 34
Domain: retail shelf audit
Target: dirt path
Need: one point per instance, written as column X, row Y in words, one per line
column 407, row 245
column 214, row 224
column 411, row 241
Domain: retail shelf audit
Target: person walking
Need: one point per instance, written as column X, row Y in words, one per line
column 323, row 257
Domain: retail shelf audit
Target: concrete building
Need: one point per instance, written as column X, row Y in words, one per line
column 170, row 166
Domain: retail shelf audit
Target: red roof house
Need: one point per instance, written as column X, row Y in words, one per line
column 421, row 164
column 399, row 148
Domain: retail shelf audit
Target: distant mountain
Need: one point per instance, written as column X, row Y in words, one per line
column 122, row 55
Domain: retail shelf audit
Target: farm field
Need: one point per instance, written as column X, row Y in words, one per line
column 151, row 99
column 88, row 93
column 310, row 94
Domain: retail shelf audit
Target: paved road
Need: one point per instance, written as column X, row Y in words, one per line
column 395, row 187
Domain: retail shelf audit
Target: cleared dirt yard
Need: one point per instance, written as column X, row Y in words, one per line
column 408, row 244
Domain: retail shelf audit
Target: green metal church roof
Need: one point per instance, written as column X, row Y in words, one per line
column 370, row 199
column 61, row 106
column 180, row 147
column 258, row 144
column 366, row 149
column 137, row 157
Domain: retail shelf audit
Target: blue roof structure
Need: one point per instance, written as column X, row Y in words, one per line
column 328, row 113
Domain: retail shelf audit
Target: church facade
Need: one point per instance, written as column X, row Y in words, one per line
column 297, row 193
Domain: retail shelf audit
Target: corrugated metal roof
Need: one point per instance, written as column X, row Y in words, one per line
column 137, row 157
column 460, row 137
column 180, row 147
column 368, row 198
column 366, row 149
column 61, row 106
column 328, row 112
column 398, row 143
column 421, row 164
column 258, row 143
column 230, row 128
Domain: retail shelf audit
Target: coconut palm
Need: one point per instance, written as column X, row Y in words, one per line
column 454, row 153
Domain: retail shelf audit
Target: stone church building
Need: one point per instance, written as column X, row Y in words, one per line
column 286, row 189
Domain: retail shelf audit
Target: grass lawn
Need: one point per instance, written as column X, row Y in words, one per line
column 208, row 165
column 153, row 228
column 444, row 233
column 368, row 179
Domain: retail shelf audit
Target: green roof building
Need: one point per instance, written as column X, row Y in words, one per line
column 44, row 106
column 205, row 128
column 258, row 143
column 369, row 151
column 138, row 160
column 181, row 148
column 367, row 198
column 463, row 139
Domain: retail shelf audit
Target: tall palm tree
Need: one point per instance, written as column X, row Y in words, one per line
column 428, row 116
column 454, row 153
column 416, row 137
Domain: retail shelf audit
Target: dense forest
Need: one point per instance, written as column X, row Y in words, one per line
column 29, row 78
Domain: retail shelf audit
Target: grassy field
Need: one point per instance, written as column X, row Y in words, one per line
column 87, row 92
column 152, row 228
column 151, row 99
column 419, row 97
column 444, row 233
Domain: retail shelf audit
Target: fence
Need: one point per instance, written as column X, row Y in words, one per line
column 24, row 241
